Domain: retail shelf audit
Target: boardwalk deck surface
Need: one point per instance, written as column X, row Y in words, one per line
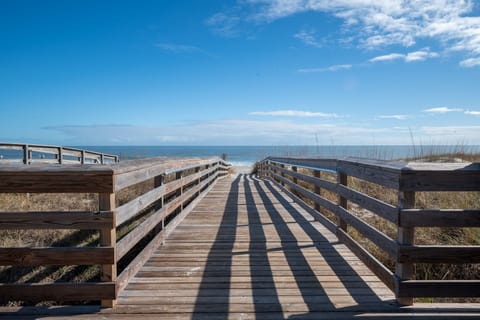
column 248, row 251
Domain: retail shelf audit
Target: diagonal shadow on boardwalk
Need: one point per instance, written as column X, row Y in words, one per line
column 258, row 257
column 307, row 282
column 368, row 298
column 223, row 244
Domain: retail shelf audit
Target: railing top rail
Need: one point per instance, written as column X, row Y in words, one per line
column 169, row 164
column 400, row 175
column 6, row 145
column 395, row 166
column 91, row 177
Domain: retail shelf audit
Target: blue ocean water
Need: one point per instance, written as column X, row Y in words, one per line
column 248, row 155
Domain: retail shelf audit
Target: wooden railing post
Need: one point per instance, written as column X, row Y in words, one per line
column 342, row 179
column 295, row 169
column 317, row 174
column 60, row 155
column 406, row 236
column 108, row 238
column 26, row 154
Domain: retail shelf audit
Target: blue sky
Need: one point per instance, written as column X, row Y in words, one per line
column 245, row 72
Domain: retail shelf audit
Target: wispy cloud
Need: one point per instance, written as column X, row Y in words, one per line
column 308, row 37
column 472, row 113
column 395, row 116
column 224, row 25
column 375, row 24
column 420, row 55
column 294, row 113
column 178, row 48
column 257, row 132
column 333, row 68
column 442, row 110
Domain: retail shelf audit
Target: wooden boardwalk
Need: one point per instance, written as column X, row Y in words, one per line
column 248, row 251
column 247, row 248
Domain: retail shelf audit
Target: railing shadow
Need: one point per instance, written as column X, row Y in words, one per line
column 262, row 284
column 223, row 245
column 351, row 280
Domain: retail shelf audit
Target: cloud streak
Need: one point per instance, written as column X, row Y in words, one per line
column 294, row 113
column 395, row 116
column 420, row 55
column 177, row 48
column 442, row 110
column 334, row 68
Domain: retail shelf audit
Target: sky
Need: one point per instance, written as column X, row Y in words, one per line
column 240, row 72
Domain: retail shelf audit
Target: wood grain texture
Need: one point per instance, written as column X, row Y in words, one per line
column 439, row 218
column 439, row 288
column 84, row 220
column 58, row 291
column 56, row 256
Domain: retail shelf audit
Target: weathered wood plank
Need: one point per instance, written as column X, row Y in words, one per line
column 440, row 177
column 58, row 291
column 130, row 173
column 56, row 256
column 439, row 288
column 133, row 207
column 438, row 254
column 439, row 218
column 84, row 220
column 44, row 180
column 380, row 173
column 378, row 207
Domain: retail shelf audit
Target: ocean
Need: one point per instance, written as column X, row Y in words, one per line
column 248, row 155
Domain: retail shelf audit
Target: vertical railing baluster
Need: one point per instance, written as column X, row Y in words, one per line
column 405, row 236
column 317, row 174
column 108, row 238
column 342, row 179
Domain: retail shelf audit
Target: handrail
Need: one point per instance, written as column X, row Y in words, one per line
column 406, row 178
column 178, row 184
column 36, row 153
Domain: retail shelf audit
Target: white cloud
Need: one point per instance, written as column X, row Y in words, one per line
column 473, row 113
column 388, row 57
column 420, row 55
column 469, row 63
column 379, row 23
column 333, row 68
column 442, row 110
column 294, row 113
column 395, row 116
column 308, row 38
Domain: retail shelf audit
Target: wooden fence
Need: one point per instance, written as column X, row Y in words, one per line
column 33, row 153
column 405, row 179
column 177, row 186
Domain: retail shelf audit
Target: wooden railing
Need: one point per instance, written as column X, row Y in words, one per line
column 405, row 179
column 177, row 185
column 34, row 153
